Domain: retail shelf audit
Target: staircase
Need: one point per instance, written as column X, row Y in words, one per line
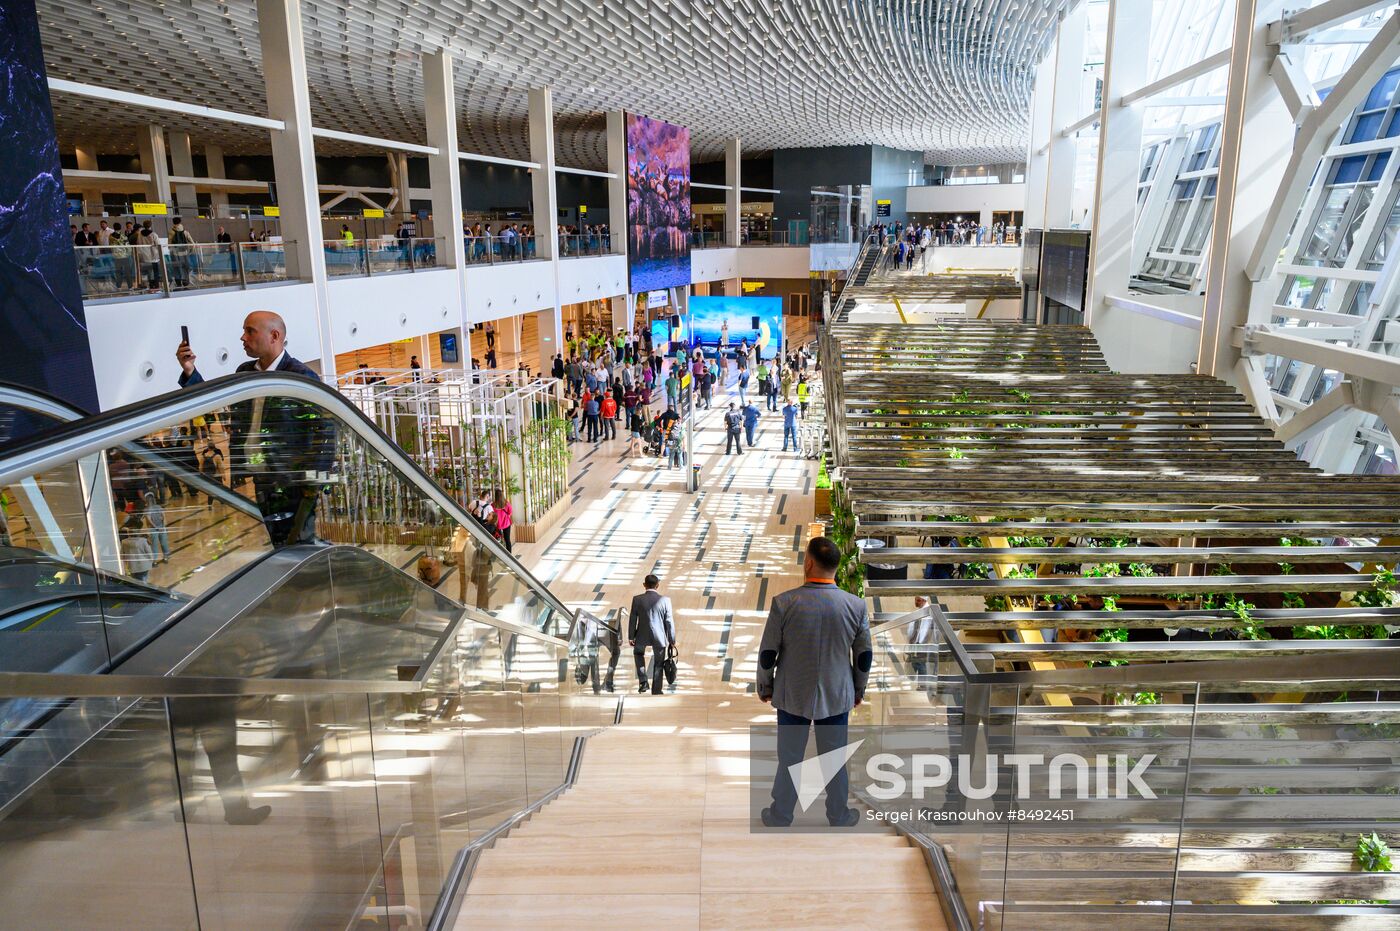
column 656, row 832
column 870, row 260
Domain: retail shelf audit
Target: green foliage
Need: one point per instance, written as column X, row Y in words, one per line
column 823, row 477
column 1373, row 855
column 1249, row 629
column 1380, row 594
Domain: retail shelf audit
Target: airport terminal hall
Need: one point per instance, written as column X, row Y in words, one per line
column 700, row 464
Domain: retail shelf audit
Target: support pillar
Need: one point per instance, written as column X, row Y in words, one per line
column 150, row 143
column 182, row 163
column 445, row 183
column 86, row 154
column 617, row 187
column 1120, row 153
column 1038, row 156
column 214, row 168
column 733, row 198
column 1256, row 139
column 294, row 157
column 398, row 172
column 1064, row 110
column 546, row 193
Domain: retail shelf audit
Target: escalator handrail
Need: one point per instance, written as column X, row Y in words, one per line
column 67, row 443
column 41, row 402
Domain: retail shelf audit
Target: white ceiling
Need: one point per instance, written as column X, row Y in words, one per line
column 950, row 78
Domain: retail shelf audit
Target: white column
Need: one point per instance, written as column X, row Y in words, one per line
column 1069, row 76
column 398, row 169
column 294, row 156
column 1255, row 142
column 546, row 199
column 214, row 168
column 733, row 198
column 617, row 187
column 182, row 163
column 150, row 143
column 1038, row 156
column 445, row 182
column 86, row 154
column 1120, row 153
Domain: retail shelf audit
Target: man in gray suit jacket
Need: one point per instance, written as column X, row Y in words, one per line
column 652, row 625
column 813, row 663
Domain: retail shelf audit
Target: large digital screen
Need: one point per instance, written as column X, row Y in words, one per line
column 658, row 204
column 755, row 320
column 1030, row 259
column 42, row 324
column 1064, row 266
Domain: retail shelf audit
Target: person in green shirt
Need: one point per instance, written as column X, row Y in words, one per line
column 802, row 393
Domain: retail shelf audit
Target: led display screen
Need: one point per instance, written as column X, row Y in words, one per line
column 658, row 204
column 753, row 320
column 1064, row 266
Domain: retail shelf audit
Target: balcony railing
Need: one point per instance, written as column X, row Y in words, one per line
column 123, row 271
column 371, row 257
column 576, row 245
column 773, row 238
column 492, row 250
column 706, row 239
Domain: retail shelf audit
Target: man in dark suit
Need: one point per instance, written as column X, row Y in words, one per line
column 652, row 625
column 285, row 445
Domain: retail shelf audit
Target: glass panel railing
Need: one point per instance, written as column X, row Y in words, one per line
column 283, row 803
column 493, row 249
column 1141, row 792
column 344, row 259
column 706, row 239
column 573, row 245
column 121, row 271
column 263, row 262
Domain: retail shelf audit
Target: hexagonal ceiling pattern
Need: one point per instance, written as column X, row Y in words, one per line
column 950, row 78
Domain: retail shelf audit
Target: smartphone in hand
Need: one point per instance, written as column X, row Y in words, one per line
column 184, row 335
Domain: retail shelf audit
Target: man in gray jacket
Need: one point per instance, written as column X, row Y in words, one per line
column 652, row 625
column 813, row 663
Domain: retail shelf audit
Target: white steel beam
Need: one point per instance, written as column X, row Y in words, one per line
column 719, row 187
column 1255, row 385
column 144, row 101
column 761, row 190
column 1205, row 66
column 1295, row 86
column 1319, row 416
column 1206, row 100
column 1315, row 316
column 1084, row 122
column 733, row 198
column 77, row 174
column 1372, row 366
column 1298, row 24
column 584, row 171
column 1126, row 47
column 1176, row 317
column 1311, row 142
column 1069, row 78
column 1256, row 134
column 373, row 142
column 496, row 160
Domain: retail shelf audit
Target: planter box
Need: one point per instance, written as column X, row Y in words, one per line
column 822, row 505
column 531, row 533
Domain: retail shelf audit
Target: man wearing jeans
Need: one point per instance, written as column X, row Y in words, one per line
column 813, row 663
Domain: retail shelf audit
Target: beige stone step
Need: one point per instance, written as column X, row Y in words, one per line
column 838, row 911
column 556, row 871
column 735, row 868
column 579, row 911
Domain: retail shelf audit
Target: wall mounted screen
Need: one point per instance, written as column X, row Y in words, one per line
column 755, row 320
column 658, row 204
column 1064, row 266
column 1030, row 259
column 42, row 324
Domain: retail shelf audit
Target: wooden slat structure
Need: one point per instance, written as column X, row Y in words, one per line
column 1069, row 486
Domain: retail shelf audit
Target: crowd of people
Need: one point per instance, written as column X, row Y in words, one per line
column 613, row 380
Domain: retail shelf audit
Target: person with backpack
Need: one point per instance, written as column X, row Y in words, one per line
column 733, row 430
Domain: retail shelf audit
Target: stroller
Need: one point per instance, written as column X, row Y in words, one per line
column 655, row 438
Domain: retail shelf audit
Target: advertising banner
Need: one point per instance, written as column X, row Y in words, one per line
column 658, row 204
column 42, row 323
column 735, row 321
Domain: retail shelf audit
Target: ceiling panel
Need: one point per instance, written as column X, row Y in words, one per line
column 950, row 78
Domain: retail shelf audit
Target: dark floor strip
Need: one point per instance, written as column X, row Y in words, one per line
column 763, row 594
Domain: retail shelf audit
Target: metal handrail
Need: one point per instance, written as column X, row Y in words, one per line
column 67, row 443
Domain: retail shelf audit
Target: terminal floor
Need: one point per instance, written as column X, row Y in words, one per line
column 656, row 830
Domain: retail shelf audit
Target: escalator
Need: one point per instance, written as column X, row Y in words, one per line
column 277, row 704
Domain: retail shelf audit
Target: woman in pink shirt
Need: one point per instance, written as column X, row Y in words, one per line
column 503, row 518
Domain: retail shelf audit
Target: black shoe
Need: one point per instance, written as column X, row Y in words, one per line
column 770, row 820
column 641, row 688
column 849, row 820
column 246, row 815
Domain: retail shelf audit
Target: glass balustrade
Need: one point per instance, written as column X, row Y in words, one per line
column 282, row 679
column 494, row 249
column 121, row 271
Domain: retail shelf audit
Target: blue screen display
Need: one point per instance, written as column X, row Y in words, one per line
column 753, row 320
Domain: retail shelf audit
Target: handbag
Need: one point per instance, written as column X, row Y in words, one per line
column 668, row 665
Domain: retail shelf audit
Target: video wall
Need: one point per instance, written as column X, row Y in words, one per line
column 658, row 204
column 41, row 303
column 1064, row 267
column 755, row 320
